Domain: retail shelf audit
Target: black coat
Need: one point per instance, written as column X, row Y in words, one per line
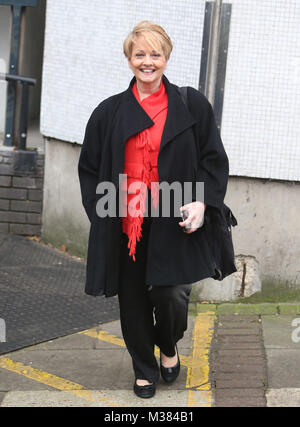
column 191, row 150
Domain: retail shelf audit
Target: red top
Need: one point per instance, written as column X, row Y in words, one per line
column 141, row 154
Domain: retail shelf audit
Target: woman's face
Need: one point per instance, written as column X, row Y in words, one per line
column 146, row 63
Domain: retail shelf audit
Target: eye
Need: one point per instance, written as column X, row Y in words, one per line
column 138, row 54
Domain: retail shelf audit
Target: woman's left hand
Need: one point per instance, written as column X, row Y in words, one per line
column 196, row 216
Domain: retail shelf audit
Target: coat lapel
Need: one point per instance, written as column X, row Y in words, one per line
column 178, row 117
column 134, row 119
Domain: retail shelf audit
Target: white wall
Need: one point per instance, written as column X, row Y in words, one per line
column 260, row 125
column 5, row 19
column 84, row 61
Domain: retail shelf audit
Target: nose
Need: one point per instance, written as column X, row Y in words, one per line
column 147, row 59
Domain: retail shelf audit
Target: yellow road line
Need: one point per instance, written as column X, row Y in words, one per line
column 198, row 371
column 113, row 339
column 197, row 381
column 104, row 336
column 51, row 380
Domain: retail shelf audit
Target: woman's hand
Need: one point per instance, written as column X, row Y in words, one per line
column 196, row 216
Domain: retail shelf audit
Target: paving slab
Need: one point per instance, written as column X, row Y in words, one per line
column 2, row 395
column 283, row 368
column 283, row 353
column 283, row 397
column 278, row 331
column 231, row 383
column 242, row 346
column 236, row 402
column 69, row 342
column 103, row 398
column 10, row 381
column 241, row 392
column 94, row 368
column 241, row 354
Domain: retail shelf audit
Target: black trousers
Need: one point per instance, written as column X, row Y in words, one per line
column 149, row 316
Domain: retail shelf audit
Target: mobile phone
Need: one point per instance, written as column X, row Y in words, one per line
column 184, row 215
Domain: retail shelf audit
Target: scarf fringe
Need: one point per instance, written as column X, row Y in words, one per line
column 132, row 225
column 134, row 234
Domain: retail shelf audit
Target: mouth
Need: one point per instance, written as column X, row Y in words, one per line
column 147, row 71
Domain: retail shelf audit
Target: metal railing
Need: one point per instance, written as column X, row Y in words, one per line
column 25, row 82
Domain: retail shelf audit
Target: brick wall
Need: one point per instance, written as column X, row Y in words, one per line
column 21, row 196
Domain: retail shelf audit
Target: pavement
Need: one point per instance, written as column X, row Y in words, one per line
column 232, row 354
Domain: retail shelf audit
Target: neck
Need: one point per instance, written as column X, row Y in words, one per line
column 146, row 89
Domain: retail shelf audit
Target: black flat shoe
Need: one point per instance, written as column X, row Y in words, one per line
column 144, row 391
column 170, row 374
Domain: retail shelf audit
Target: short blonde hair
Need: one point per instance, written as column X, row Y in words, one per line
column 153, row 34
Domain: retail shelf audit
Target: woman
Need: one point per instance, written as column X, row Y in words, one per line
column 148, row 135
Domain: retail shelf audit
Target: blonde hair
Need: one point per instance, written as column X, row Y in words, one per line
column 153, row 34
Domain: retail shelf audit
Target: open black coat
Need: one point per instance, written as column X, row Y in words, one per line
column 191, row 150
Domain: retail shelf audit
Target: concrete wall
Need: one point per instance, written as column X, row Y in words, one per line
column 64, row 218
column 268, row 225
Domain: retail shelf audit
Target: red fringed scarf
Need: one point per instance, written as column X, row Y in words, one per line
column 141, row 153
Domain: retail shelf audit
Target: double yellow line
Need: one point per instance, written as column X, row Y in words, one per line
column 52, row 380
column 197, row 381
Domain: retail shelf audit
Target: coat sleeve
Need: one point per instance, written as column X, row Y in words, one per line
column 212, row 160
column 89, row 163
